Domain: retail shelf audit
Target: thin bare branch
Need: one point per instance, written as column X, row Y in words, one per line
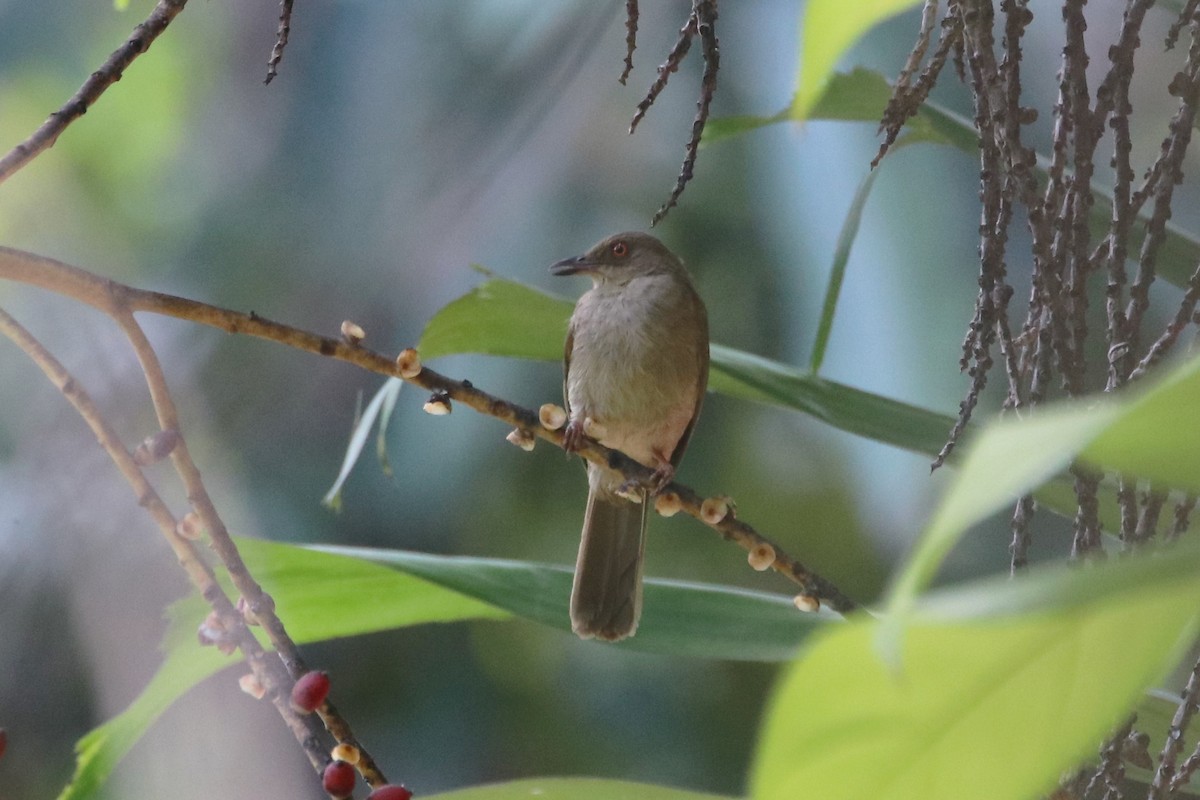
column 109, row 73
column 631, row 27
column 281, row 39
column 266, row 668
column 111, row 296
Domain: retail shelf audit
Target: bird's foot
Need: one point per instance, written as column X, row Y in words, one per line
column 573, row 435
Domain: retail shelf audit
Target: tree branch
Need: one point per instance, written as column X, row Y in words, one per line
column 109, row 73
column 115, row 298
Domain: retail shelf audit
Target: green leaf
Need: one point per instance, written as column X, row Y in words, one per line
column 1158, row 436
column 318, row 595
column 1150, row 428
column 841, row 255
column 500, row 318
column 572, row 789
column 1006, row 460
column 861, row 96
column 830, row 27
column 678, row 618
column 1004, row 685
column 380, row 408
column 504, row 318
column 727, row 127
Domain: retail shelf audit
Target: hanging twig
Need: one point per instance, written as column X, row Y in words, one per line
column 281, row 39
column 702, row 22
column 631, row 26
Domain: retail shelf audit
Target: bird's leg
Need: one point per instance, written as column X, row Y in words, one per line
column 573, row 435
column 664, row 473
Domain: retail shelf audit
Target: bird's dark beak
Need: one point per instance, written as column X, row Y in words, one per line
column 570, row 266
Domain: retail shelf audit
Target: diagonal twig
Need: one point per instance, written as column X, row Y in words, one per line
column 107, row 295
column 110, row 72
column 267, row 669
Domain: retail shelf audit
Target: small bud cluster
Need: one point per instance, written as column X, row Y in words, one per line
column 668, row 504
column 251, row 612
column 190, row 527
column 552, row 416
column 438, row 404
column 251, row 685
column 214, row 632
column 352, row 332
column 156, row 447
column 409, row 363
column 761, row 556
column 594, row 429
column 715, row 509
column 807, row 603
column 346, row 752
column 521, row 438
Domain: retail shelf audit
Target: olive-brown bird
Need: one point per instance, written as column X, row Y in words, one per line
column 635, row 369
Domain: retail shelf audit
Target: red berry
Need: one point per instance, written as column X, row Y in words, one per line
column 390, row 791
column 310, row 691
column 3, row 741
column 338, row 779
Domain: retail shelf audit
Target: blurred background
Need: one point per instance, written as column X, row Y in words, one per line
column 401, row 143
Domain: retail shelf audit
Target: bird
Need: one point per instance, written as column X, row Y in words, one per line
column 635, row 370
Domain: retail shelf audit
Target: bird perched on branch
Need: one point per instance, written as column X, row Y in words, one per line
column 635, row 369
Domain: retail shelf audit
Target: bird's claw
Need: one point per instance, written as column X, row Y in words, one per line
column 573, row 436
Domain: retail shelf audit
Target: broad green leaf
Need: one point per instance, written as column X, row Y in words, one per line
column 504, row 318
column 830, row 27
column 1003, row 685
column 855, row 96
column 678, row 618
column 841, row 255
column 1006, row 460
column 1149, row 428
column 1158, row 437
column 519, row 322
column 318, row 595
column 572, row 789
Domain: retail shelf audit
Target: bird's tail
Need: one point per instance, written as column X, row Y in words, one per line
column 606, row 599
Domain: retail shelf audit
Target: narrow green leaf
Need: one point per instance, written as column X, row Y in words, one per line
column 862, row 94
column 830, row 28
column 678, row 618
column 383, row 401
column 837, row 273
column 572, row 789
column 319, row 596
column 751, row 377
column 1003, row 686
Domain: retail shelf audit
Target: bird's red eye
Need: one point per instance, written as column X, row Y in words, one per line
column 620, row 249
